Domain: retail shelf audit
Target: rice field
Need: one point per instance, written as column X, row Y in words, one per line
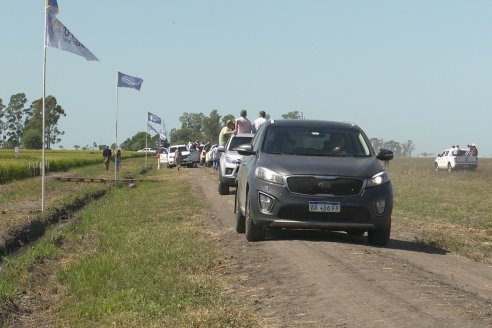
column 27, row 163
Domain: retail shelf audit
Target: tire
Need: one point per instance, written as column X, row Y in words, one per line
column 436, row 167
column 240, row 221
column 253, row 231
column 450, row 169
column 223, row 189
column 380, row 236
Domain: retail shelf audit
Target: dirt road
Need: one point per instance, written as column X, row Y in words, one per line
column 324, row 279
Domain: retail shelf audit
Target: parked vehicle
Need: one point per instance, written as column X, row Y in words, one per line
column 186, row 159
column 298, row 174
column 146, row 150
column 448, row 161
column 230, row 160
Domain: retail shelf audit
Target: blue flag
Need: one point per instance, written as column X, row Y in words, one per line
column 127, row 81
column 51, row 7
column 153, row 118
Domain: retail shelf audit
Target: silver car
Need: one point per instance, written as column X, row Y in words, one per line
column 230, row 160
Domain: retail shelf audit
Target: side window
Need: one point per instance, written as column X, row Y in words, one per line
column 258, row 136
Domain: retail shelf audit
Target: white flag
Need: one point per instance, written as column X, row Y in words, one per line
column 58, row 36
column 151, row 128
column 162, row 136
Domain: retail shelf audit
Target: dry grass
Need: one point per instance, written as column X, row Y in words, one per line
column 452, row 210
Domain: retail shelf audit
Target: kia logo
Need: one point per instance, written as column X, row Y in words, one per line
column 324, row 185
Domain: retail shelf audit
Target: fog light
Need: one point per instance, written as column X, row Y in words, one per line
column 381, row 206
column 266, row 202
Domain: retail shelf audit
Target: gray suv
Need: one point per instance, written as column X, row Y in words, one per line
column 306, row 174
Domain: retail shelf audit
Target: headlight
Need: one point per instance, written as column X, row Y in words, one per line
column 269, row 175
column 231, row 160
column 378, row 179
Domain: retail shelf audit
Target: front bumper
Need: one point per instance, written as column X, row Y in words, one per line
column 228, row 173
column 291, row 210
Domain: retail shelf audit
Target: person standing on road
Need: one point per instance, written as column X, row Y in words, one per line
column 106, row 156
column 260, row 120
column 177, row 158
column 243, row 124
column 117, row 160
column 215, row 157
column 226, row 132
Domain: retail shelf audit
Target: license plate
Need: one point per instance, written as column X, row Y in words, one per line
column 322, row 206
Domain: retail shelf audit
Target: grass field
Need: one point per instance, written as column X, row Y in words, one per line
column 452, row 210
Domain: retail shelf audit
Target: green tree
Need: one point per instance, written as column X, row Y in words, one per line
column 408, row 148
column 32, row 139
column 53, row 113
column 376, row 143
column 227, row 118
column 13, row 119
column 182, row 136
column 137, row 142
column 394, row 146
column 76, row 147
column 192, row 121
column 292, row 115
column 211, row 127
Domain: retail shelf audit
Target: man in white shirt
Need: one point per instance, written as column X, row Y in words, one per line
column 260, row 120
column 456, row 150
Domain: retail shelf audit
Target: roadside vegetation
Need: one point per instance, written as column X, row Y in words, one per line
column 143, row 257
column 134, row 258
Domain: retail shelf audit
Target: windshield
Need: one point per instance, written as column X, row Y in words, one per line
column 315, row 141
column 236, row 141
column 181, row 148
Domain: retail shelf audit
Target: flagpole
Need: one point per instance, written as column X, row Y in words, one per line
column 44, row 106
column 116, row 141
column 146, row 132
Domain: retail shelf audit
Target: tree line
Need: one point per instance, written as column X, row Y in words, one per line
column 198, row 126
column 22, row 126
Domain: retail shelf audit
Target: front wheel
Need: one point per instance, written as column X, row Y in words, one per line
column 450, row 168
column 240, row 221
column 379, row 236
column 436, row 167
column 223, row 189
column 254, row 232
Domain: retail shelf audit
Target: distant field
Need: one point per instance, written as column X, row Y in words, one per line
column 450, row 209
column 27, row 162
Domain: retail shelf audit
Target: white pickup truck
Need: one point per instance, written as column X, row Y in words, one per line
column 447, row 161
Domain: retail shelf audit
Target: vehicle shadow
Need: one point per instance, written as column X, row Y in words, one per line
column 342, row 237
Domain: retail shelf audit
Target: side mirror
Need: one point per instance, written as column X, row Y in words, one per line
column 385, row 155
column 221, row 148
column 245, row 150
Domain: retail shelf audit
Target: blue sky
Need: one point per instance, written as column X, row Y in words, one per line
column 417, row 70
